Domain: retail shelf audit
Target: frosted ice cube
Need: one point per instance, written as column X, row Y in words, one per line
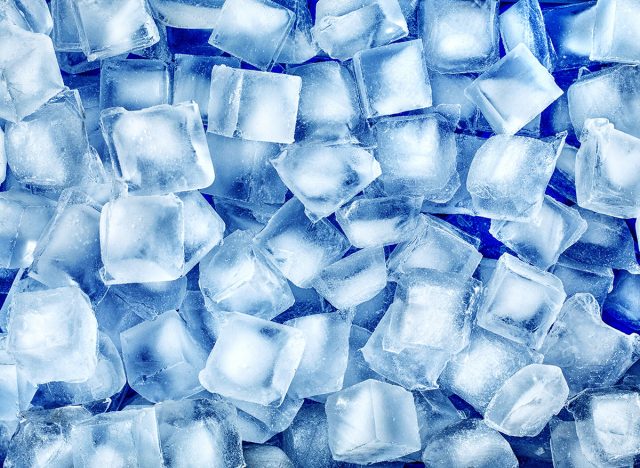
column 242, row 103
column 570, row 29
column 527, row 401
column 252, row 30
column 449, row 89
column 579, row 278
column 517, row 77
column 323, row 178
column 417, row 155
column 30, row 15
column 142, row 239
column 469, row 443
column 306, row 441
column 460, row 36
column 541, row 241
column 299, row 45
column 608, row 170
column 237, row 278
column 253, row 360
column 196, row 14
column 434, row 310
column 326, row 352
column 608, row 425
column 371, row 422
column 478, row 371
column 123, row 438
column 112, row 27
column 565, row 446
column 30, row 74
column 524, row 23
column 259, row 423
column 329, row 109
column 266, row 456
column 615, row 36
column 590, row 353
column 343, row 28
column 509, row 174
column 159, row 149
column 133, row 83
column 53, row 335
column 207, row 428
column 385, row 73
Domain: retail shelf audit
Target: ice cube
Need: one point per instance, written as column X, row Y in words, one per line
column 133, row 83
column 237, row 278
column 150, row 299
column 253, row 360
column 357, row 368
column 371, row 422
column 517, row 77
column 434, row 310
column 53, row 335
column 266, row 456
column 607, row 170
column 142, row 239
column 579, row 278
column 162, row 359
column 524, row 23
column 326, row 353
column 417, row 155
column 159, row 149
column 460, row 36
column 449, row 89
column 621, row 306
column 242, row 103
column 469, row 443
column 259, row 423
column 115, row 315
column 570, row 29
column 615, row 37
column 565, row 446
column 112, row 27
column 541, row 241
column 435, row 412
column 589, row 352
column 509, row 174
column 329, row 109
column 323, row 178
column 385, row 73
column 207, row 428
column 188, row 15
column 478, row 371
column 30, row 15
column 252, row 30
column 563, row 180
column 306, row 441
column 10, row 384
column 30, row 74
column 299, row 46
column 343, row 28
column 123, row 438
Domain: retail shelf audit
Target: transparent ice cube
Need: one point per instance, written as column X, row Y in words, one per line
column 570, row 29
column 299, row 45
column 259, row 423
column 565, row 446
column 579, row 278
column 133, row 83
column 306, row 441
column 524, row 23
column 615, row 36
column 148, row 300
column 196, row 14
column 449, row 89
column 30, row 15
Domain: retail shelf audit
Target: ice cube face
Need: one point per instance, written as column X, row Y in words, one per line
column 323, row 178
column 206, row 427
column 508, row 176
column 142, row 239
column 579, row 278
column 30, row 75
column 614, row 36
column 162, row 359
column 565, row 446
column 241, row 104
column 516, row 75
column 608, row 170
column 371, row 422
column 268, row 456
column 385, row 73
column 237, row 278
column 589, row 352
column 259, row 423
column 10, row 385
column 253, row 360
column 112, row 27
column 159, row 149
column 460, row 36
column 570, row 29
column 53, row 335
column 123, row 438
column 30, row 15
column 417, row 155
column 306, row 441
column 252, row 30
column 133, row 84
column 198, row 15
column 619, row 307
column 469, row 443
column 344, row 28
column 608, row 424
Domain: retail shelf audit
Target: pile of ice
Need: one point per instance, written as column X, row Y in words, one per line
column 274, row 234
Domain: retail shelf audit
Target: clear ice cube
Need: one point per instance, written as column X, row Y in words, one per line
column 565, row 446
column 306, row 442
column 133, row 83
column 579, row 278
column 615, row 36
column 192, row 14
column 524, row 23
column 299, row 46
column 259, row 423
column 570, row 29
column 266, row 456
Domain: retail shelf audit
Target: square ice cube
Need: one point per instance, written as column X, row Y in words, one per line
column 252, row 30
column 29, row 72
column 384, row 75
column 142, row 239
column 521, row 302
column 513, row 91
column 253, row 360
column 323, row 178
column 112, row 27
column 524, row 23
column 371, row 422
column 133, row 83
column 159, row 149
column 53, row 335
column 242, row 104
column 615, row 35
column 460, row 36
column 570, row 29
